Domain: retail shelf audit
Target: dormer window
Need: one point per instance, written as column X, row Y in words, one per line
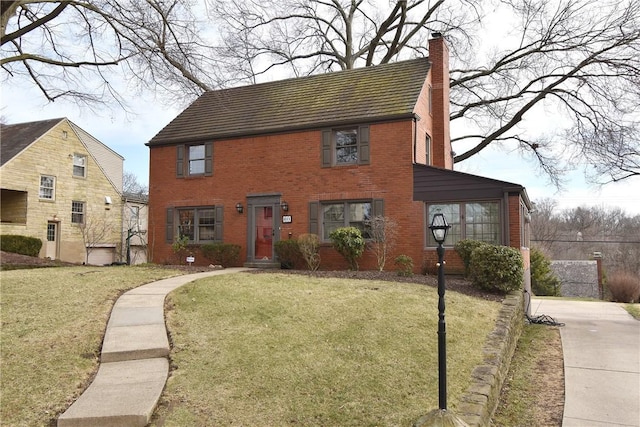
column 345, row 146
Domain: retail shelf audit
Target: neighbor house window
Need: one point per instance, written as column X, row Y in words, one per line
column 468, row 220
column 80, row 165
column 194, row 160
column 346, row 214
column 47, row 187
column 197, row 224
column 77, row 212
column 345, row 146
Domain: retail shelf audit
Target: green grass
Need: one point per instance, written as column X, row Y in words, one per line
column 520, row 402
column 633, row 309
column 53, row 321
column 283, row 349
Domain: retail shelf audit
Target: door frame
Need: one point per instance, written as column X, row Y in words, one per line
column 56, row 241
column 262, row 200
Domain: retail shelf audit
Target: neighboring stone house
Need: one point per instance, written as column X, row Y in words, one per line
column 59, row 184
column 256, row 164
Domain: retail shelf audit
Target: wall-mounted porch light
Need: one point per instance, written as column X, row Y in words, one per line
column 239, row 207
column 284, row 205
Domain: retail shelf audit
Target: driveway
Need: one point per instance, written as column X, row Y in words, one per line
column 601, row 346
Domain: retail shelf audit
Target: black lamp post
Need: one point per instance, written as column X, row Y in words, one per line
column 439, row 228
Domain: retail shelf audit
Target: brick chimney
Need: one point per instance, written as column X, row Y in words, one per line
column 441, row 138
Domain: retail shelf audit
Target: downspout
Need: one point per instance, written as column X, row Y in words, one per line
column 506, row 241
column 122, row 221
column 415, row 138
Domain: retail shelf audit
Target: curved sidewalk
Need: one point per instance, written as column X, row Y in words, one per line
column 134, row 365
column 601, row 346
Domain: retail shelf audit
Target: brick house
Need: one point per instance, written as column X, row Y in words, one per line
column 57, row 180
column 256, row 164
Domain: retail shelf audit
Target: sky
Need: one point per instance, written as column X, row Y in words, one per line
column 127, row 135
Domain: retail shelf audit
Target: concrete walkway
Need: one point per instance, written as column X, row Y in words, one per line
column 601, row 346
column 134, row 365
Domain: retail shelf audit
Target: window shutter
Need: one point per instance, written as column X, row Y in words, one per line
column 169, row 225
column 326, row 148
column 378, row 207
column 218, row 223
column 313, row 217
column 208, row 158
column 180, row 161
column 363, row 155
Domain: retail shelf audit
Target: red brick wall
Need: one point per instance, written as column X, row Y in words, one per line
column 439, row 56
column 290, row 164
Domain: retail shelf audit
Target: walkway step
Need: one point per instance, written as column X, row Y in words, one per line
column 122, row 394
column 134, row 365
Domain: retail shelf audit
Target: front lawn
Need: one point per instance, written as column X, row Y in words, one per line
column 278, row 349
column 53, row 321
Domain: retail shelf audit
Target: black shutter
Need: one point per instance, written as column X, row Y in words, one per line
column 180, row 161
column 364, row 157
column 208, row 158
column 169, row 226
column 326, row 149
column 218, row 223
column 378, row 207
column 314, row 207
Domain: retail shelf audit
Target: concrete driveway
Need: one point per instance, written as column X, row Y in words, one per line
column 601, row 346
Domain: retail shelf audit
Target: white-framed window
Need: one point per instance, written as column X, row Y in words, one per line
column 198, row 224
column 47, row 187
column 80, row 165
column 77, row 212
column 345, row 146
column 468, row 220
column 345, row 214
column 196, row 155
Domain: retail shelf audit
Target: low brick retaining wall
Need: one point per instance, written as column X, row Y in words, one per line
column 479, row 402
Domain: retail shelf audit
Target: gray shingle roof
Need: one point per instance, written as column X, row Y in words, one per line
column 15, row 138
column 373, row 93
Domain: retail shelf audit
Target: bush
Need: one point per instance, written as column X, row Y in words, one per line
column 464, row 248
column 309, row 244
column 288, row 252
column 543, row 280
column 405, row 265
column 224, row 254
column 496, row 268
column 349, row 243
column 23, row 245
column 624, row 287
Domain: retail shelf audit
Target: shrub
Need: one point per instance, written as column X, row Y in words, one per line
column 405, row 265
column 464, row 248
column 543, row 280
column 224, row 254
column 382, row 232
column 288, row 252
column 349, row 243
column 309, row 244
column 23, row 245
column 496, row 268
column 624, row 287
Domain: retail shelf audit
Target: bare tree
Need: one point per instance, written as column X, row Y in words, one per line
column 72, row 49
column 545, row 225
column 131, row 185
column 382, row 237
column 573, row 57
column 96, row 229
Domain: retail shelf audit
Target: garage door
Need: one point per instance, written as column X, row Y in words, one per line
column 102, row 256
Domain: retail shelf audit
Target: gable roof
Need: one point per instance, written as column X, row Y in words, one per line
column 438, row 185
column 381, row 92
column 16, row 138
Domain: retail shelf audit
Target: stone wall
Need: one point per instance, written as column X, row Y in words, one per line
column 479, row 402
column 577, row 278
